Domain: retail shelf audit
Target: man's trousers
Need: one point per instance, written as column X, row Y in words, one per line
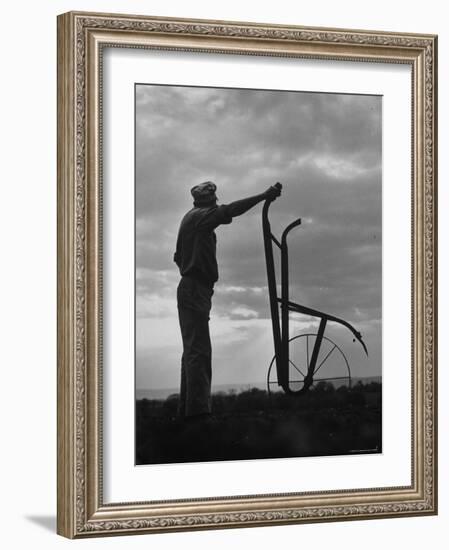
column 194, row 304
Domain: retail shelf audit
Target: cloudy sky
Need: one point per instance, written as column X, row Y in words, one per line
column 326, row 149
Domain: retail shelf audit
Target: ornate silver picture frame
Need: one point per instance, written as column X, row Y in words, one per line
column 83, row 475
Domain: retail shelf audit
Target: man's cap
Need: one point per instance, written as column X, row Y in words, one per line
column 204, row 193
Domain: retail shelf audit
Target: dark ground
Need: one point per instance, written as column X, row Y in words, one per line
column 324, row 421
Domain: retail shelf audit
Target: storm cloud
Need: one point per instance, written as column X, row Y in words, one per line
column 326, row 149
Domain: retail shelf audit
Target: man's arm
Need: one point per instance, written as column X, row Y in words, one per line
column 237, row 208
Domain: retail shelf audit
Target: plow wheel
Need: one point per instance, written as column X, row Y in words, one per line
column 332, row 365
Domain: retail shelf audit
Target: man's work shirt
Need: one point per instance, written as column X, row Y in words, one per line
column 196, row 246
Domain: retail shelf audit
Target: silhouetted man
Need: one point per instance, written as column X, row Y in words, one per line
column 196, row 258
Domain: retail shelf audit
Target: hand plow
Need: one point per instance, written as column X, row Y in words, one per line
column 320, row 358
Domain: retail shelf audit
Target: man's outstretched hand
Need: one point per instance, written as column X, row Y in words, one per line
column 273, row 192
column 237, row 208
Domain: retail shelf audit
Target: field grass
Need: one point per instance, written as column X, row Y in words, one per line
column 249, row 425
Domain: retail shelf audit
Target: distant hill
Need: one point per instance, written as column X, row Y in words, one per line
column 163, row 393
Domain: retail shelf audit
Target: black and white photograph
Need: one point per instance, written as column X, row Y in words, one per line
column 247, row 282
column 258, row 274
